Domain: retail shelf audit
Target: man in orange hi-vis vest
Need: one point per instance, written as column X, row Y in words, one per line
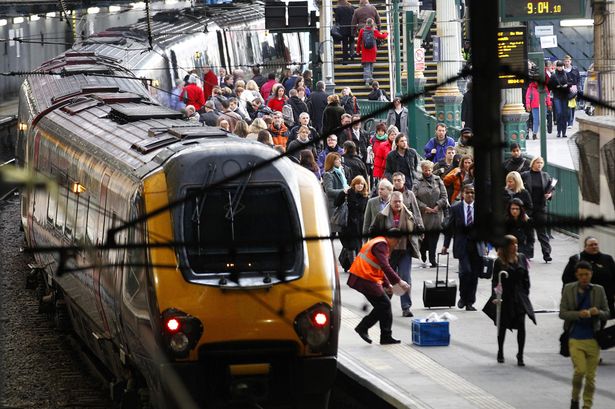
column 372, row 275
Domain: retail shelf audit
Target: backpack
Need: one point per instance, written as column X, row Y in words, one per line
column 369, row 41
column 287, row 113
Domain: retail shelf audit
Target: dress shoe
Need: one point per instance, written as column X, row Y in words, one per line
column 407, row 313
column 363, row 334
column 520, row 360
column 470, row 308
column 389, row 341
column 500, row 357
column 574, row 404
column 460, row 304
column 547, row 258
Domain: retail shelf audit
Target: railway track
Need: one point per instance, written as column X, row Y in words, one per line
column 6, row 190
column 41, row 367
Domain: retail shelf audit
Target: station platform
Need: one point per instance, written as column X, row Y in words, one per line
column 465, row 374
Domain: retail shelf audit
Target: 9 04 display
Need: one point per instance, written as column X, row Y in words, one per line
column 528, row 10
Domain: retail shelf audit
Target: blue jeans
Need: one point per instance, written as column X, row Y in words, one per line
column 571, row 116
column 401, row 261
column 561, row 113
column 535, row 119
column 368, row 69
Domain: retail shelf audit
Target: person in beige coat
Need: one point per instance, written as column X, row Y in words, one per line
column 432, row 199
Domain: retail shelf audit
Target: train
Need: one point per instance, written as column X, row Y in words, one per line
column 174, row 254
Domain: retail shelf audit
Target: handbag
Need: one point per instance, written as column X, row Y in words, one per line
column 487, row 271
column 564, row 350
column 336, row 32
column 340, row 215
column 606, row 337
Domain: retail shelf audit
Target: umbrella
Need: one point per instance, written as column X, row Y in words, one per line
column 498, row 293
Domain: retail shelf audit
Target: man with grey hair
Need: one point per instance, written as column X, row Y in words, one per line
column 376, row 204
column 317, row 105
column 397, row 215
column 209, row 117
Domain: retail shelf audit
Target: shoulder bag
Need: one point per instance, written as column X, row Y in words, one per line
column 340, row 215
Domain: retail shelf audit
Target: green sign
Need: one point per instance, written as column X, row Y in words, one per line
column 530, row 10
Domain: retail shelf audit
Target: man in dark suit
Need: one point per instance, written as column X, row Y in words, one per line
column 467, row 249
column 317, row 105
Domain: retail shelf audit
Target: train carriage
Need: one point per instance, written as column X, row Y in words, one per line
column 214, row 300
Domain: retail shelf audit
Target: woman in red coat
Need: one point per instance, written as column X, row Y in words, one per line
column 381, row 150
column 277, row 101
column 368, row 55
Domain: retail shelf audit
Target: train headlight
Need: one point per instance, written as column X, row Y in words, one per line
column 180, row 332
column 314, row 326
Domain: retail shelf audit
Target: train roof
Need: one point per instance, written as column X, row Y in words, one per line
column 103, row 109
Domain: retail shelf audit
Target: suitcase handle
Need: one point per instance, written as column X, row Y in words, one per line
column 448, row 256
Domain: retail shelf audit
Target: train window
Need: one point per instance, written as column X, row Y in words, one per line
column 81, row 223
column 72, row 205
column 135, row 273
column 62, row 202
column 249, row 232
column 52, row 206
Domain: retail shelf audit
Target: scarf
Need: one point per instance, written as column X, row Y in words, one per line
column 340, row 174
column 380, row 137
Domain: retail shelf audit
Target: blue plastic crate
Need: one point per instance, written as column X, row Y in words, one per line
column 430, row 333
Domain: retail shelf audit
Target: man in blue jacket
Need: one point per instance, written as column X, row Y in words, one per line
column 435, row 149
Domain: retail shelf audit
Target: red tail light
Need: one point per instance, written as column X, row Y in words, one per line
column 320, row 319
column 314, row 326
column 172, row 325
column 180, row 331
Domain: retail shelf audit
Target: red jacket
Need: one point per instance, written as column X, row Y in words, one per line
column 381, row 150
column 369, row 54
column 276, row 104
column 532, row 96
column 192, row 94
column 210, row 80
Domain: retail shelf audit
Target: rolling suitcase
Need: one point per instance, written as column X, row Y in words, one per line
column 440, row 293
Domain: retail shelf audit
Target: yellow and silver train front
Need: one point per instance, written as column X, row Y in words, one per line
column 251, row 310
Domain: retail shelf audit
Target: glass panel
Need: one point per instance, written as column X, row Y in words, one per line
column 256, row 236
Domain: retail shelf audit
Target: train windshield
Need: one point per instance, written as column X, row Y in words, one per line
column 241, row 229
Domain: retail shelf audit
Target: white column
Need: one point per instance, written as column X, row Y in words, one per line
column 447, row 24
column 326, row 21
column 604, row 53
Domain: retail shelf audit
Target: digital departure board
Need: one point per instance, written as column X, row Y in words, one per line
column 512, row 53
column 527, row 10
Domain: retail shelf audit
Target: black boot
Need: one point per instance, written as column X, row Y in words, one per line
column 520, row 360
column 363, row 334
column 500, row 356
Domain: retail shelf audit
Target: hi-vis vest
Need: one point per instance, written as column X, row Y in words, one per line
column 366, row 265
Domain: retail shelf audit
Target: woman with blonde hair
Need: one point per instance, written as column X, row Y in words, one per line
column 241, row 129
column 515, row 189
column 356, row 197
column 257, row 125
column 540, row 186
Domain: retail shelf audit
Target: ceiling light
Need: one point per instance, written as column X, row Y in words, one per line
column 577, row 22
column 51, row 14
column 3, row 22
column 114, row 9
column 140, row 5
column 35, row 17
column 93, row 10
column 18, row 20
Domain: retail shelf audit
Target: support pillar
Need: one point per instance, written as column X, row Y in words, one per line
column 604, row 54
column 448, row 98
column 514, row 118
column 326, row 42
